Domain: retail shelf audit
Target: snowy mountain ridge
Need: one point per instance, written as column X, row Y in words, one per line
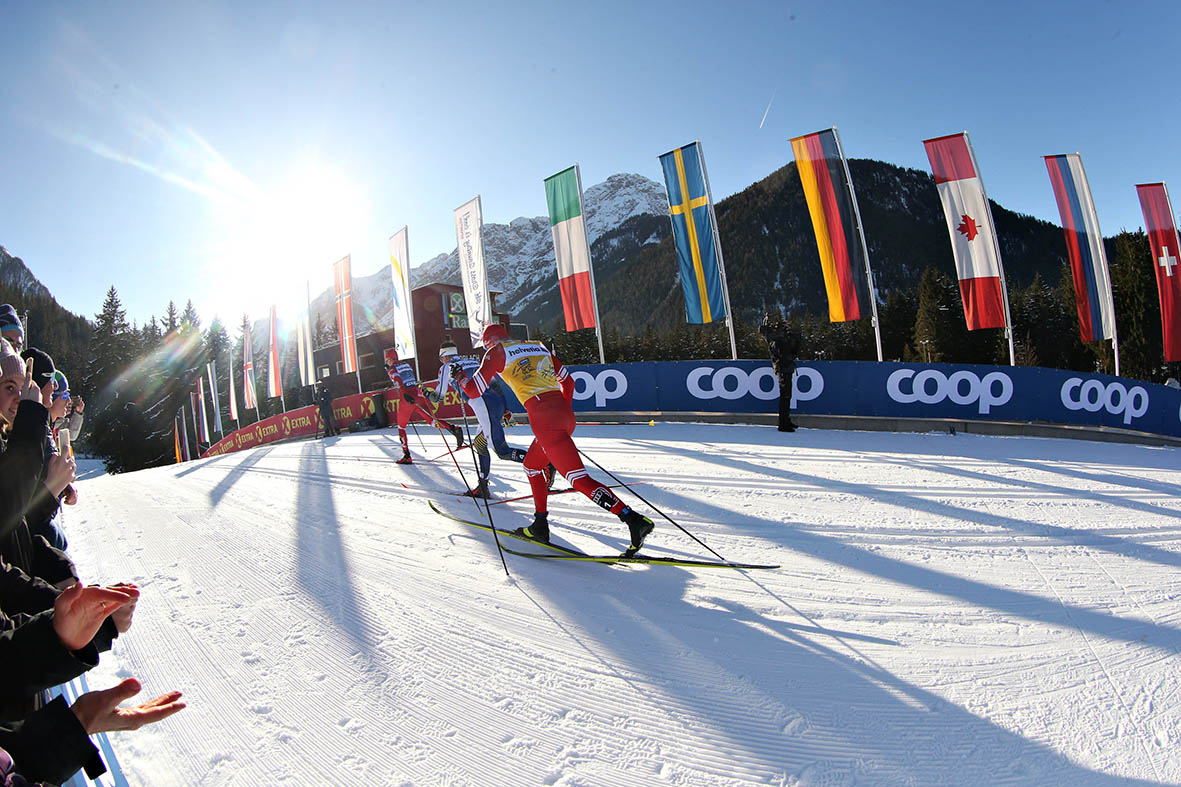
column 14, row 273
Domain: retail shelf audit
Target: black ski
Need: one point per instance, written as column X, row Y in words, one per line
column 566, row 551
column 643, row 560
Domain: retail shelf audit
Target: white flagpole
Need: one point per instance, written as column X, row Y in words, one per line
column 873, row 291
column 1106, row 295
column 717, row 250
column 590, row 265
column 996, row 250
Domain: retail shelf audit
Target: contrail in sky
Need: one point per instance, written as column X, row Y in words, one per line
column 764, row 120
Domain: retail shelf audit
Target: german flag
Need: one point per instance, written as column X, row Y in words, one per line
column 838, row 237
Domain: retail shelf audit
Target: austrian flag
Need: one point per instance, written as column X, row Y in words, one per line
column 973, row 240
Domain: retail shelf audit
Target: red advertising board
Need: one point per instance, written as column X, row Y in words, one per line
column 306, row 422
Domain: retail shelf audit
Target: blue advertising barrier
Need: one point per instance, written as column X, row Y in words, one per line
column 882, row 390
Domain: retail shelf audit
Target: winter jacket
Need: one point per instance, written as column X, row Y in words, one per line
column 51, row 745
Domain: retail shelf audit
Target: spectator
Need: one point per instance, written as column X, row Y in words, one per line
column 10, row 326
column 785, row 347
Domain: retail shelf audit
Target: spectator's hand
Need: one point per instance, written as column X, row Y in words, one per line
column 99, row 711
column 122, row 616
column 30, row 391
column 71, row 497
column 80, row 610
column 59, row 473
column 79, row 405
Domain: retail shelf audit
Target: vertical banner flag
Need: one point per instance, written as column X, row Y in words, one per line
column 303, row 341
column 469, row 220
column 969, row 222
column 1162, row 237
column 343, row 280
column 838, row 237
column 202, row 420
column 211, row 370
column 249, row 397
column 233, row 396
column 403, row 305
column 694, row 234
column 196, row 423
column 1084, row 247
column 563, row 195
column 274, row 368
column 184, row 435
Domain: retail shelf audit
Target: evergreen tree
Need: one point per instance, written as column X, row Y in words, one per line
column 189, row 319
column 171, row 318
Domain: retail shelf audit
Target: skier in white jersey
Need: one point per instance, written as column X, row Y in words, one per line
column 488, row 408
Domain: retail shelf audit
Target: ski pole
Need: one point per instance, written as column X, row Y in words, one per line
column 487, row 508
column 650, row 505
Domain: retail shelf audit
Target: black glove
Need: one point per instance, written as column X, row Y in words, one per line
column 432, row 396
column 408, row 397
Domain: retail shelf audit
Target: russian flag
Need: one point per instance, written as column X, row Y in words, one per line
column 969, row 222
column 1084, row 247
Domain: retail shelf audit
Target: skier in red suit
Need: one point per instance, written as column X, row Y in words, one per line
column 546, row 390
column 405, row 386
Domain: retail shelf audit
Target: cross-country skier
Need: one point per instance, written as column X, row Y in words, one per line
column 489, row 409
column 546, row 389
column 405, row 386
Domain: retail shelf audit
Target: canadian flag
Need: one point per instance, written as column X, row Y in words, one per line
column 973, row 240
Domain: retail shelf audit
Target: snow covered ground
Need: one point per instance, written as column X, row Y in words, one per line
column 950, row 610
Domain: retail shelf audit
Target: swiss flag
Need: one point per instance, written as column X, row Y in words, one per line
column 973, row 240
column 1166, row 253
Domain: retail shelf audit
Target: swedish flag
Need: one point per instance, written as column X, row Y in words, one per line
column 694, row 234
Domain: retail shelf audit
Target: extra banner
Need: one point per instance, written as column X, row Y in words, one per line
column 1166, row 251
column 469, row 221
column 403, row 303
column 695, row 234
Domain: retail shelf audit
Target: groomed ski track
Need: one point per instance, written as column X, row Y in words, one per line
column 950, row 610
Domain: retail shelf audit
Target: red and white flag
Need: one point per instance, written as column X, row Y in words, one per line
column 343, row 280
column 274, row 370
column 969, row 222
column 249, row 397
column 1166, row 252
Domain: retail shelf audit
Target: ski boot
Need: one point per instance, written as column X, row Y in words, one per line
column 639, row 525
column 538, row 531
column 457, row 433
column 481, row 490
column 405, row 460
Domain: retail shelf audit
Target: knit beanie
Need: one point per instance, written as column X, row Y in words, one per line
column 43, row 368
column 11, row 364
column 9, row 321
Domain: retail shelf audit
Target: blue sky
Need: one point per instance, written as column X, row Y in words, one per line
column 227, row 152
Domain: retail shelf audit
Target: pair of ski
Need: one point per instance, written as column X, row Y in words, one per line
column 567, row 553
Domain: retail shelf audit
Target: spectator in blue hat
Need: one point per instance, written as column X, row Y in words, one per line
column 10, row 326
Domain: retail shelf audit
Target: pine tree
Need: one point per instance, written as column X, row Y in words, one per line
column 171, row 319
column 189, row 319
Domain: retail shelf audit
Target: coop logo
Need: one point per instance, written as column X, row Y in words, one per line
column 1093, row 396
column 730, row 383
column 932, row 386
column 606, row 385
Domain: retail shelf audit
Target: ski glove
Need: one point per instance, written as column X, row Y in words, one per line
column 408, row 397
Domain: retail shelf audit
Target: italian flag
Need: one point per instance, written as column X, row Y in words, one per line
column 563, row 194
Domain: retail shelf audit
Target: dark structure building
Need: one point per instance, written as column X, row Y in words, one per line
column 439, row 312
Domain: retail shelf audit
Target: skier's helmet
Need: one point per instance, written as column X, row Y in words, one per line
column 492, row 334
